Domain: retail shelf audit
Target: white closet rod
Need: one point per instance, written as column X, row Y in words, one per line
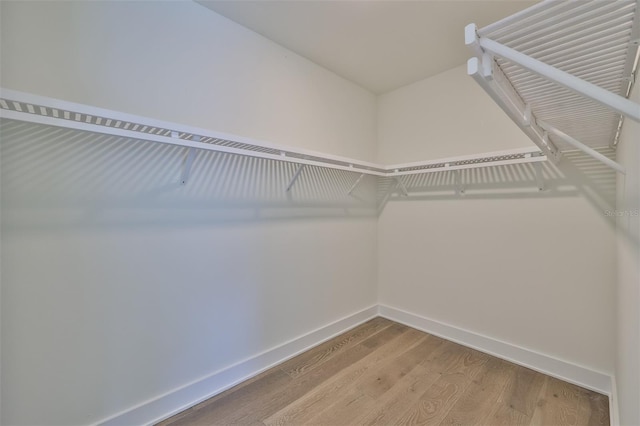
column 53, row 112
column 582, row 147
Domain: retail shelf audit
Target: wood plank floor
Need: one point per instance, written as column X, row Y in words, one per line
column 383, row 373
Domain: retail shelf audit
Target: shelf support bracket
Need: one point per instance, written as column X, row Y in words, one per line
column 188, row 162
column 500, row 89
column 539, row 179
column 582, row 147
column 403, row 188
column 526, row 120
column 487, row 66
column 295, row 177
column 459, row 185
column 355, row 184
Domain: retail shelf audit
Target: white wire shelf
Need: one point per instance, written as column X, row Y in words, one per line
column 26, row 107
column 568, row 64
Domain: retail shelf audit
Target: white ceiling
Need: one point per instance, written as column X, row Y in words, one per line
column 380, row 45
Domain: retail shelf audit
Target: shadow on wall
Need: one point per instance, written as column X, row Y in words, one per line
column 82, row 178
column 577, row 174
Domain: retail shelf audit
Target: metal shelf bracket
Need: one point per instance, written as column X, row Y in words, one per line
column 188, row 162
column 539, row 178
column 401, row 186
column 582, row 147
column 295, row 177
column 491, row 78
column 459, row 185
column 355, row 184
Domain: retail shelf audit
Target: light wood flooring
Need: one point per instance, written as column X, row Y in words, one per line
column 384, row 373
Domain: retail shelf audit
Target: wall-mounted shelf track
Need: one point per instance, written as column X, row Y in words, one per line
column 562, row 70
column 41, row 110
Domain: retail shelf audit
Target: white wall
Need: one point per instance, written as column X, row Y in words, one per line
column 442, row 116
column 532, row 269
column 118, row 284
column 628, row 308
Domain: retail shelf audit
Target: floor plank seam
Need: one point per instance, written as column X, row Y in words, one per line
column 382, row 372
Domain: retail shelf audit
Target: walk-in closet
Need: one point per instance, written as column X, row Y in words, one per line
column 319, row 212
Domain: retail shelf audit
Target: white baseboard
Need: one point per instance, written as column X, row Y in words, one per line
column 180, row 399
column 546, row 364
column 614, row 413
